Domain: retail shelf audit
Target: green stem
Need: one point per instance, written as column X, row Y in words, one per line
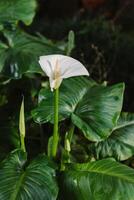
column 55, row 130
column 22, row 139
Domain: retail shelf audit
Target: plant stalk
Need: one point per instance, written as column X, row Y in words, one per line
column 55, row 130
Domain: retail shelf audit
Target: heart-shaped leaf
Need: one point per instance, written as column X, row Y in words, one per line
column 120, row 144
column 35, row 181
column 93, row 108
column 104, row 179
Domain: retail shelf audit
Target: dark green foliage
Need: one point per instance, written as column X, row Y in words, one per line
column 21, row 53
column 104, row 179
column 35, row 181
column 120, row 144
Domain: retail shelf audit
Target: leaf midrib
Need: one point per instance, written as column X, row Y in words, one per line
column 108, row 173
column 17, row 188
column 123, row 125
column 80, row 99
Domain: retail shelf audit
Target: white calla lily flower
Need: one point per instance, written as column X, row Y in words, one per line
column 57, row 67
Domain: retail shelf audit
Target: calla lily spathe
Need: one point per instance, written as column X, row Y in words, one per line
column 57, row 67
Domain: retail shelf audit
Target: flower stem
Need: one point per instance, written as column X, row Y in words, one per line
column 55, row 130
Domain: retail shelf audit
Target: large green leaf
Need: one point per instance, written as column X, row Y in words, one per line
column 16, row 10
column 19, row 181
column 120, row 144
column 22, row 52
column 105, row 179
column 93, row 108
column 98, row 111
column 71, row 92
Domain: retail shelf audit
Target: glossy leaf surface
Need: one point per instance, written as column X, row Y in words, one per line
column 120, row 144
column 104, row 179
column 19, row 181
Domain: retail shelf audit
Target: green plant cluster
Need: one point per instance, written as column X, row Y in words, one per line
column 96, row 137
